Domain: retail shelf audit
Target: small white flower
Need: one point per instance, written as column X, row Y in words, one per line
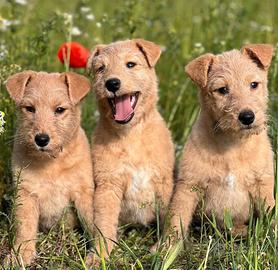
column 90, row 17
column 21, row 2
column 2, row 122
column 85, row 9
column 266, row 28
column 3, row 52
column 96, row 114
column 75, row 31
column 5, row 24
column 163, row 48
column 198, row 45
column 98, row 24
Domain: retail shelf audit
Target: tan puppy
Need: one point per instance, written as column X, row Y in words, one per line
column 133, row 155
column 51, row 154
column 228, row 155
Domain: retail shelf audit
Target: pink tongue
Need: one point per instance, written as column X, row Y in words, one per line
column 123, row 108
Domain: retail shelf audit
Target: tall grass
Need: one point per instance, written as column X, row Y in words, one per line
column 30, row 35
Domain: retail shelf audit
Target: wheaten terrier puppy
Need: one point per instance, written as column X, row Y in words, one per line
column 51, row 158
column 133, row 154
column 228, row 156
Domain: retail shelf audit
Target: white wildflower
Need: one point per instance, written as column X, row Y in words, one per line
column 98, row 24
column 85, row 9
column 5, row 24
column 266, row 28
column 198, row 45
column 2, row 122
column 75, row 31
column 90, row 17
column 21, row 2
column 3, row 51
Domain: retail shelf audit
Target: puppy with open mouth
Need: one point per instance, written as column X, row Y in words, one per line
column 133, row 154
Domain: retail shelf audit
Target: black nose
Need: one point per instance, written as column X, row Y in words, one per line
column 42, row 139
column 246, row 117
column 113, row 85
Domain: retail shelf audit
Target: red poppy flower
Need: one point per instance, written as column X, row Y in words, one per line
column 78, row 54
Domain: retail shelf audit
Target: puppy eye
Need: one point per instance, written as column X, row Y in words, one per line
column 130, row 64
column 59, row 110
column 254, row 85
column 30, row 109
column 223, row 90
column 100, row 69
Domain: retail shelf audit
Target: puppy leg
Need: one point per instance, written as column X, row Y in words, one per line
column 182, row 207
column 84, row 205
column 107, row 204
column 266, row 192
column 27, row 216
column 163, row 201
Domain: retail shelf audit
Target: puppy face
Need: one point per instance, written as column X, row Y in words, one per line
column 234, row 88
column 124, row 80
column 48, row 112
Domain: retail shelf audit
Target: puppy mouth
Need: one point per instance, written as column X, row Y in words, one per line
column 123, row 107
column 52, row 153
column 247, row 127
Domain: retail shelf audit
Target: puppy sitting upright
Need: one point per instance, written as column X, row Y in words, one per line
column 228, row 155
column 51, row 154
column 133, row 155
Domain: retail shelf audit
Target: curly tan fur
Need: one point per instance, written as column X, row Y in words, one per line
column 225, row 160
column 133, row 163
column 52, row 177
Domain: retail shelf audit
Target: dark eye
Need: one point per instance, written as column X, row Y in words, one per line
column 30, row 109
column 254, row 85
column 59, row 110
column 130, row 64
column 100, row 69
column 223, row 90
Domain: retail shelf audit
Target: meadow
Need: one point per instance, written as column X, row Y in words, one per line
column 30, row 34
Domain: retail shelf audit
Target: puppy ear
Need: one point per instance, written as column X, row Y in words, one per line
column 261, row 54
column 198, row 69
column 96, row 51
column 78, row 86
column 17, row 83
column 150, row 50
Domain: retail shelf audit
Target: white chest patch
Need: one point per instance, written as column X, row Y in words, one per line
column 230, row 180
column 140, row 180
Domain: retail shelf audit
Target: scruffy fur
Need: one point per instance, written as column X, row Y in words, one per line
column 133, row 162
column 52, row 177
column 223, row 160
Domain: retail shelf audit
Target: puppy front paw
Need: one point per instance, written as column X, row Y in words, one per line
column 239, row 230
column 24, row 257
column 92, row 260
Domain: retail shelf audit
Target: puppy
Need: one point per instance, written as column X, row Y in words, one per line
column 228, row 156
column 51, row 159
column 132, row 152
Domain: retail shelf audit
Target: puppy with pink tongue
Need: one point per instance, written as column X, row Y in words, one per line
column 124, row 108
column 133, row 154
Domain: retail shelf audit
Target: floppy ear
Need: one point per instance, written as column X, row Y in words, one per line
column 198, row 69
column 261, row 54
column 150, row 50
column 17, row 83
column 96, row 51
column 78, row 86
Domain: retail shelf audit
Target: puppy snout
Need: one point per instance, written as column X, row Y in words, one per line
column 42, row 139
column 113, row 85
column 246, row 117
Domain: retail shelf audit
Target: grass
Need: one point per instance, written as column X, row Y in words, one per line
column 30, row 35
